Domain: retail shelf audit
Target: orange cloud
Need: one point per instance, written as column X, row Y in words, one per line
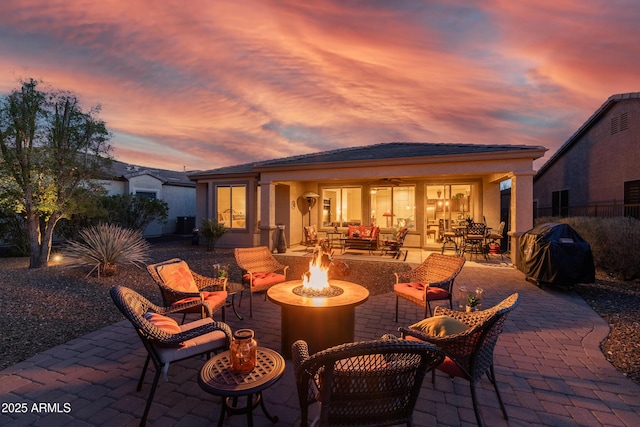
column 204, row 84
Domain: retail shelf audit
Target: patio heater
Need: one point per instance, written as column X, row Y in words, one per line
column 311, row 198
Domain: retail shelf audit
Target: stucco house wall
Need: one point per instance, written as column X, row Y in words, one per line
column 275, row 187
column 595, row 162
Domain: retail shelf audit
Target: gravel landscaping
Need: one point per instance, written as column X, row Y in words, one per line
column 42, row 308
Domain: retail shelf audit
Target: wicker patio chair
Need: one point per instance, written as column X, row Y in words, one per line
column 470, row 353
column 165, row 340
column 430, row 281
column 179, row 284
column 369, row 383
column 259, row 270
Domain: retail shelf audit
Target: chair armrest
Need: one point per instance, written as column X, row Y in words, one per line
column 178, row 308
column 299, row 354
column 411, row 276
column 447, row 342
column 472, row 319
column 205, row 283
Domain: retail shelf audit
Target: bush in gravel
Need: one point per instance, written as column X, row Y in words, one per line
column 106, row 246
column 615, row 242
column 212, row 230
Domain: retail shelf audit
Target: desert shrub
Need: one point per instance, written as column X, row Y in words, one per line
column 615, row 242
column 211, row 230
column 106, row 246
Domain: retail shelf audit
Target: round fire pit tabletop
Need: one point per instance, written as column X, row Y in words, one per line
column 283, row 294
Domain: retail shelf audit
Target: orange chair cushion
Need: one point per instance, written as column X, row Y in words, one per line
column 416, row 291
column 261, row 279
column 450, row 368
column 164, row 323
column 178, row 276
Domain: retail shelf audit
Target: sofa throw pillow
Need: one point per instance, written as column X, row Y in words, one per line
column 440, row 326
column 374, row 232
column 178, row 276
column 164, row 323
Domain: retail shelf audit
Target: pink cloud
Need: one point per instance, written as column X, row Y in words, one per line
column 206, row 84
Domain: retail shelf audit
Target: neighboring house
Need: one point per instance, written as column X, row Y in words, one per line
column 390, row 185
column 173, row 187
column 595, row 172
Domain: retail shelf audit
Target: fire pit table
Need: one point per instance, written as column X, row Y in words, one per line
column 321, row 320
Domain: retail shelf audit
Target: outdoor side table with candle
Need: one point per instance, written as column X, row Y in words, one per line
column 217, row 378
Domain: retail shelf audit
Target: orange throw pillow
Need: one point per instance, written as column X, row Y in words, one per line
column 178, row 276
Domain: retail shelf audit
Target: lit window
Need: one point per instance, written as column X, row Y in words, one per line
column 232, row 206
column 341, row 206
column 393, row 207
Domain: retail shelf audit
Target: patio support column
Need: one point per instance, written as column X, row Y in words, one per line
column 521, row 210
column 267, row 214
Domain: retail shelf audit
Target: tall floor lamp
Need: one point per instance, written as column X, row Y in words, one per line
column 311, row 202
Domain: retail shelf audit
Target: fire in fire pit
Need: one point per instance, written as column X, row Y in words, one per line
column 315, row 282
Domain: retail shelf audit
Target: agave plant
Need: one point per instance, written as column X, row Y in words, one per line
column 106, row 246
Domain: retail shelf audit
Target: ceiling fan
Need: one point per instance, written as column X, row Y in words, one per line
column 394, row 182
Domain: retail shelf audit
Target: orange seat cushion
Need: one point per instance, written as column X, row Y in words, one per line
column 416, row 290
column 261, row 279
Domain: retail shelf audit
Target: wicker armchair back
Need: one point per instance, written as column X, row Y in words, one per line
column 259, row 270
column 364, row 383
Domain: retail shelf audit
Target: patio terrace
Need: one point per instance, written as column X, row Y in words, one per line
column 549, row 367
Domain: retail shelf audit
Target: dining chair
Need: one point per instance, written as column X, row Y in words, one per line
column 474, row 240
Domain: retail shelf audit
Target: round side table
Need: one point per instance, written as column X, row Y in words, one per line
column 216, row 378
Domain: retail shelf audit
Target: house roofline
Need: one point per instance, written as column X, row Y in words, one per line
column 326, row 159
column 596, row 116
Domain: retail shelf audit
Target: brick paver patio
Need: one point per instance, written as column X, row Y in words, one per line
column 549, row 366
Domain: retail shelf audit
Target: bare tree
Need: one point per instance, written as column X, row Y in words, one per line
column 51, row 150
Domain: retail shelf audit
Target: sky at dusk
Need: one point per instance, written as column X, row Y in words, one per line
column 201, row 84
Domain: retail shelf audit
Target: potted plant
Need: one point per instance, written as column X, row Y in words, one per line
column 472, row 302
